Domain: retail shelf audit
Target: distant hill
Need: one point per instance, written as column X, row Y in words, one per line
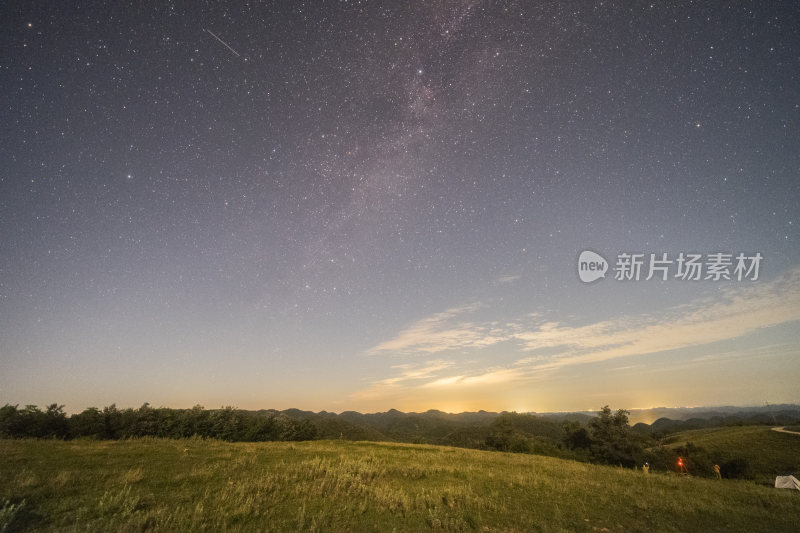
column 766, row 412
column 437, row 427
column 648, row 416
column 473, row 429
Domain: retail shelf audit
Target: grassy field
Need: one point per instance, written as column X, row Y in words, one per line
column 196, row 485
column 768, row 453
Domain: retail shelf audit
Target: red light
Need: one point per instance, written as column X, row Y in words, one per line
column 680, row 462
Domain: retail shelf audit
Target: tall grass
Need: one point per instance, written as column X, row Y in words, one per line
column 196, row 485
column 8, row 511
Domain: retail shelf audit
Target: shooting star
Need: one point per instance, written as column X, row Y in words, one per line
column 214, row 35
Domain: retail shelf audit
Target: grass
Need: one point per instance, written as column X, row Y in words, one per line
column 197, row 485
column 768, row 453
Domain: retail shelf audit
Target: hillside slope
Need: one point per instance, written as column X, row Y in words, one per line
column 767, row 453
column 206, row 485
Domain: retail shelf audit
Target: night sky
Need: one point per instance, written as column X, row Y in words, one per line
column 374, row 205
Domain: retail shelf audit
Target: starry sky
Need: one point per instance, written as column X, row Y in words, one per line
column 373, row 205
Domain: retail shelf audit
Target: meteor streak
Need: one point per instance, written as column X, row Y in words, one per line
column 226, row 45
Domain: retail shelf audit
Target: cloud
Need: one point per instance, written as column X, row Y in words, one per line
column 406, row 373
column 442, row 382
column 739, row 310
column 506, row 279
column 438, row 333
column 410, row 372
column 489, row 377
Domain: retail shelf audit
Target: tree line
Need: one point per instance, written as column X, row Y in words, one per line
column 227, row 424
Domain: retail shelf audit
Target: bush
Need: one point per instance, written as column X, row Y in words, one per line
column 697, row 460
column 736, row 468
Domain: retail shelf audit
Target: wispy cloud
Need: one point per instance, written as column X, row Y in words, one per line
column 489, row 377
column 438, row 333
column 404, row 373
column 411, row 372
column 737, row 311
